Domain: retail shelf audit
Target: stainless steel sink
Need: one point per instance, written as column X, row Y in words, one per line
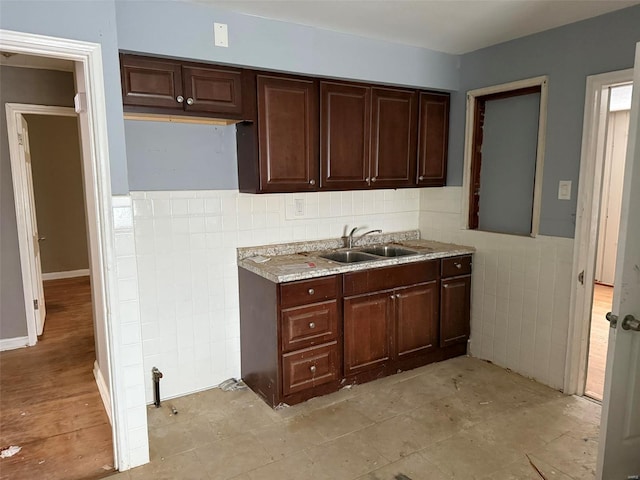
column 389, row 251
column 349, row 256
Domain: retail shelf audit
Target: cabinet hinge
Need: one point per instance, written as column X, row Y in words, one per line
column 35, row 304
column 20, row 139
column 581, row 277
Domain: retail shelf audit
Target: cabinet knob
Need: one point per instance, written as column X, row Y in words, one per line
column 312, row 182
column 189, row 101
column 312, row 325
column 179, row 99
column 311, row 291
column 312, row 369
column 368, row 180
column 373, row 179
column 458, row 265
column 421, row 178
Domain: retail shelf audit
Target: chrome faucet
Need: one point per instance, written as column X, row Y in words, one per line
column 351, row 241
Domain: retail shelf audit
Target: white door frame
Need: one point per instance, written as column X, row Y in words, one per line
column 24, row 203
column 587, row 224
column 97, row 184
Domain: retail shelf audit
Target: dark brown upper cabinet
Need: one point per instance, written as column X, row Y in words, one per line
column 282, row 141
column 367, row 136
column 433, row 134
column 172, row 87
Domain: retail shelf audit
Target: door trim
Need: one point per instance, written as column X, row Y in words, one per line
column 89, row 78
column 587, row 216
column 24, row 203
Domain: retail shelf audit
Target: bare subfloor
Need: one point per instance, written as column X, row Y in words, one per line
column 459, row 419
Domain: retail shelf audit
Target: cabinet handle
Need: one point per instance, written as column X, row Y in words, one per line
column 367, row 180
column 373, row 179
column 312, row 182
column 397, row 295
column 458, row 265
column 420, row 178
column 179, row 99
column 392, row 297
column 311, row 291
column 312, row 325
column 312, row 368
column 189, row 101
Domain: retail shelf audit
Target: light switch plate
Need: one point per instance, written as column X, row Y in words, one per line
column 220, row 35
column 564, row 190
column 299, row 205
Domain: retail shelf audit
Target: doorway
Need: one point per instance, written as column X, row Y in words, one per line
column 615, row 149
column 52, row 393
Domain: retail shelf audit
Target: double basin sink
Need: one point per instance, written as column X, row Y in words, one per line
column 368, row 254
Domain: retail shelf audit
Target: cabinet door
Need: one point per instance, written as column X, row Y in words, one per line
column 151, row 83
column 455, row 312
column 345, row 126
column 416, row 319
column 393, row 137
column 288, row 133
column 433, row 139
column 367, row 331
column 213, row 90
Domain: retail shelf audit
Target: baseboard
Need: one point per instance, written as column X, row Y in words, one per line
column 103, row 389
column 70, row 274
column 13, row 343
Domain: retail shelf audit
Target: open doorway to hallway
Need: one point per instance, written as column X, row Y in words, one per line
column 51, row 405
column 616, row 133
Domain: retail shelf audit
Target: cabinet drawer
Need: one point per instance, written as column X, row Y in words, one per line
column 456, row 266
column 308, row 291
column 310, row 367
column 309, row 325
column 377, row 279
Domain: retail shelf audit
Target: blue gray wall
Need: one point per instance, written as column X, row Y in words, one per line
column 509, row 146
column 568, row 55
column 20, row 85
column 178, row 156
column 90, row 21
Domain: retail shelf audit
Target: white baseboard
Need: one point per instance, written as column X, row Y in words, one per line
column 103, row 389
column 70, row 274
column 13, row 343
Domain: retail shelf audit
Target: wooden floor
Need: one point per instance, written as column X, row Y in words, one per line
column 49, row 401
column 598, row 340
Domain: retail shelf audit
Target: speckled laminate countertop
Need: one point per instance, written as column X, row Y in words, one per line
column 288, row 262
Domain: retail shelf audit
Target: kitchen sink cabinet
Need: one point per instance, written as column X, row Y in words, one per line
column 433, row 139
column 367, row 136
column 307, row 338
column 455, row 309
column 282, row 141
column 153, row 85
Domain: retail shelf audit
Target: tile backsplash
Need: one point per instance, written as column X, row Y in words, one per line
column 185, row 243
column 521, row 290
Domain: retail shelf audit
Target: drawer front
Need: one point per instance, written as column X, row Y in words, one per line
column 310, row 367
column 309, row 325
column 377, row 279
column 308, row 291
column 456, row 266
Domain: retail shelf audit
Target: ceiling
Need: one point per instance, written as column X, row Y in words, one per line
column 451, row 26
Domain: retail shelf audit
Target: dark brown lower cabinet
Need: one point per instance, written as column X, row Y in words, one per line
column 368, row 322
column 307, row 338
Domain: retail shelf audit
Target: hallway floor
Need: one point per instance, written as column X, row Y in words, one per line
column 598, row 340
column 49, row 401
column 458, row 419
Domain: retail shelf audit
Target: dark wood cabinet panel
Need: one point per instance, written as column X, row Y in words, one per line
column 288, row 133
column 345, row 127
column 367, row 329
column 304, row 292
column 309, row 325
column 151, row 82
column 365, row 281
column 433, row 139
column 309, row 368
column 417, row 319
column 212, row 90
column 455, row 311
column 456, row 266
column 393, row 137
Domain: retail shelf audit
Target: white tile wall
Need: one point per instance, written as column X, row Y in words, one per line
column 126, row 312
column 186, row 259
column 520, row 290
